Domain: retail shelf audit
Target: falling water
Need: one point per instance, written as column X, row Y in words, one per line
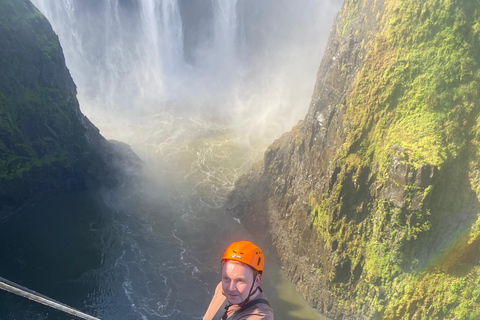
column 198, row 89
column 253, row 62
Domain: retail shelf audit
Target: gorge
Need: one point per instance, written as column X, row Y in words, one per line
column 370, row 203
column 147, row 247
column 372, row 200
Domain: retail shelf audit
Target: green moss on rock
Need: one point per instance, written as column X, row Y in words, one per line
column 46, row 143
column 382, row 179
column 415, row 101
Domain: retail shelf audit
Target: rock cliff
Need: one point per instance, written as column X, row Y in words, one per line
column 372, row 201
column 46, row 144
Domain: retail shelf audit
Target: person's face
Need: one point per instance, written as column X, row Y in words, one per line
column 237, row 279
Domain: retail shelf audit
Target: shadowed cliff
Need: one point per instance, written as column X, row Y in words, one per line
column 46, row 144
column 372, row 201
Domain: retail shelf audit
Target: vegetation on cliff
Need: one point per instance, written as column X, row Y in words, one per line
column 413, row 104
column 26, row 50
column 373, row 200
column 46, row 143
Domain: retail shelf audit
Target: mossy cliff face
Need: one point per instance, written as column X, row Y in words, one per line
column 46, row 144
column 372, row 201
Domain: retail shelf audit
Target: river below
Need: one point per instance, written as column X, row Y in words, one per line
column 149, row 249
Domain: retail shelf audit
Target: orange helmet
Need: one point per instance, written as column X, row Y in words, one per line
column 246, row 252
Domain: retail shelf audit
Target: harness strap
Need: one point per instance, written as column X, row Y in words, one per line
column 246, row 306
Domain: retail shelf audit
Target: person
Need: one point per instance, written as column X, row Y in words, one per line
column 242, row 270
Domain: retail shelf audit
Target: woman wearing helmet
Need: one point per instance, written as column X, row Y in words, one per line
column 242, row 270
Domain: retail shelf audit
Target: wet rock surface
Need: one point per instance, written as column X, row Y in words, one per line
column 347, row 228
column 47, row 145
column 298, row 166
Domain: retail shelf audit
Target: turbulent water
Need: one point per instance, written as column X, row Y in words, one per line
column 251, row 63
column 198, row 89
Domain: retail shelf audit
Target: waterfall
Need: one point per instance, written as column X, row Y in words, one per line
column 225, row 27
column 198, row 89
column 253, row 62
column 119, row 52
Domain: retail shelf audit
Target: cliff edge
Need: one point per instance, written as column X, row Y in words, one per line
column 46, row 144
column 372, row 201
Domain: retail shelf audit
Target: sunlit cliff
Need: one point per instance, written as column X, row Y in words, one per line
column 372, row 201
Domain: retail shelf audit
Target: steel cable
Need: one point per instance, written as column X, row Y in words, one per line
column 34, row 296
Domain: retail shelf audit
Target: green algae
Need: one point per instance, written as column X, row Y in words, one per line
column 418, row 88
column 418, row 93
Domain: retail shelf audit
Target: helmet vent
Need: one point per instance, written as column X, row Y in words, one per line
column 246, row 252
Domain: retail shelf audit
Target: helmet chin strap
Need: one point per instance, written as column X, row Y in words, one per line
column 250, row 293
column 241, row 304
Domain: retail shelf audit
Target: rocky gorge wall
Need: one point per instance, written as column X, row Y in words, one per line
column 46, row 144
column 372, row 201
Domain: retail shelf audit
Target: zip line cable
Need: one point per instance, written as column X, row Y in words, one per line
column 34, row 296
